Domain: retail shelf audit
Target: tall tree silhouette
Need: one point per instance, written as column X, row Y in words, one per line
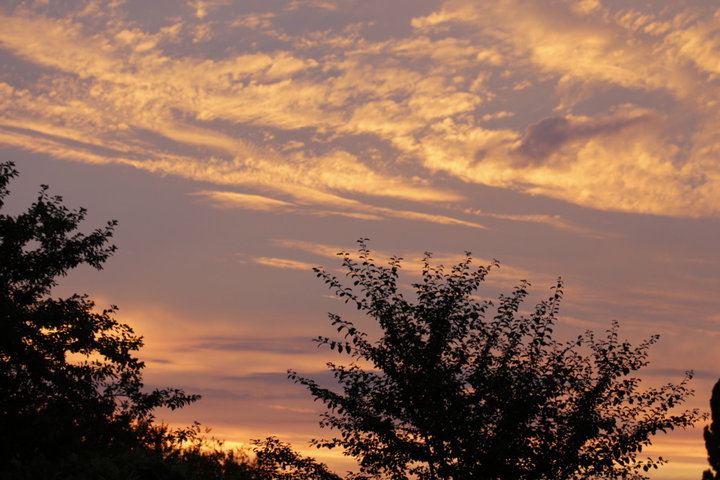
column 455, row 387
column 69, row 380
column 712, row 436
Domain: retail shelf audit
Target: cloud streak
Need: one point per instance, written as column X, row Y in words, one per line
column 345, row 207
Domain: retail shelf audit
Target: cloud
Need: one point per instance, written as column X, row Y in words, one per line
column 545, row 137
column 319, row 4
column 605, row 107
column 585, row 50
column 306, row 199
column 578, row 44
column 254, row 21
column 283, row 345
column 243, row 200
column 203, row 7
column 622, row 161
column 283, row 263
column 555, row 221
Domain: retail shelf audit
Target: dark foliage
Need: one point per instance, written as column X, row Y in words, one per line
column 712, row 436
column 461, row 388
column 162, row 454
column 72, row 402
column 276, row 460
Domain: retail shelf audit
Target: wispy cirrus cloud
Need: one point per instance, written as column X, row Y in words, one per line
column 342, row 206
column 284, row 263
column 554, row 221
column 245, row 200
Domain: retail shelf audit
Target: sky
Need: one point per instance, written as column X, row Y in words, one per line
column 241, row 143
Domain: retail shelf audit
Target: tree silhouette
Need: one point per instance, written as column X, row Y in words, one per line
column 711, row 434
column 70, row 385
column 450, row 390
column 276, row 460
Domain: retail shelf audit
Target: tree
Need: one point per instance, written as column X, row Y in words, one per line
column 70, row 384
column 276, row 460
column 711, row 433
column 461, row 388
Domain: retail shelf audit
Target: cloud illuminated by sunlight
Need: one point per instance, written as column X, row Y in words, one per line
column 283, row 263
column 346, row 207
column 626, row 122
column 248, row 201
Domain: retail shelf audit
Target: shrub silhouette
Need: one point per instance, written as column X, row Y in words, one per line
column 276, row 460
column 461, row 388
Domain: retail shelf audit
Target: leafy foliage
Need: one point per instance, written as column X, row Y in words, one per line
column 711, row 434
column 461, row 388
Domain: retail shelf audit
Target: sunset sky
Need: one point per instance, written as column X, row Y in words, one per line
column 241, row 143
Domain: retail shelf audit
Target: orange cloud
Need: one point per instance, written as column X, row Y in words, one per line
column 283, row 263
column 305, row 197
column 332, row 114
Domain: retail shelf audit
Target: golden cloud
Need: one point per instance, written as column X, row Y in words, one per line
column 302, row 118
column 283, row 263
